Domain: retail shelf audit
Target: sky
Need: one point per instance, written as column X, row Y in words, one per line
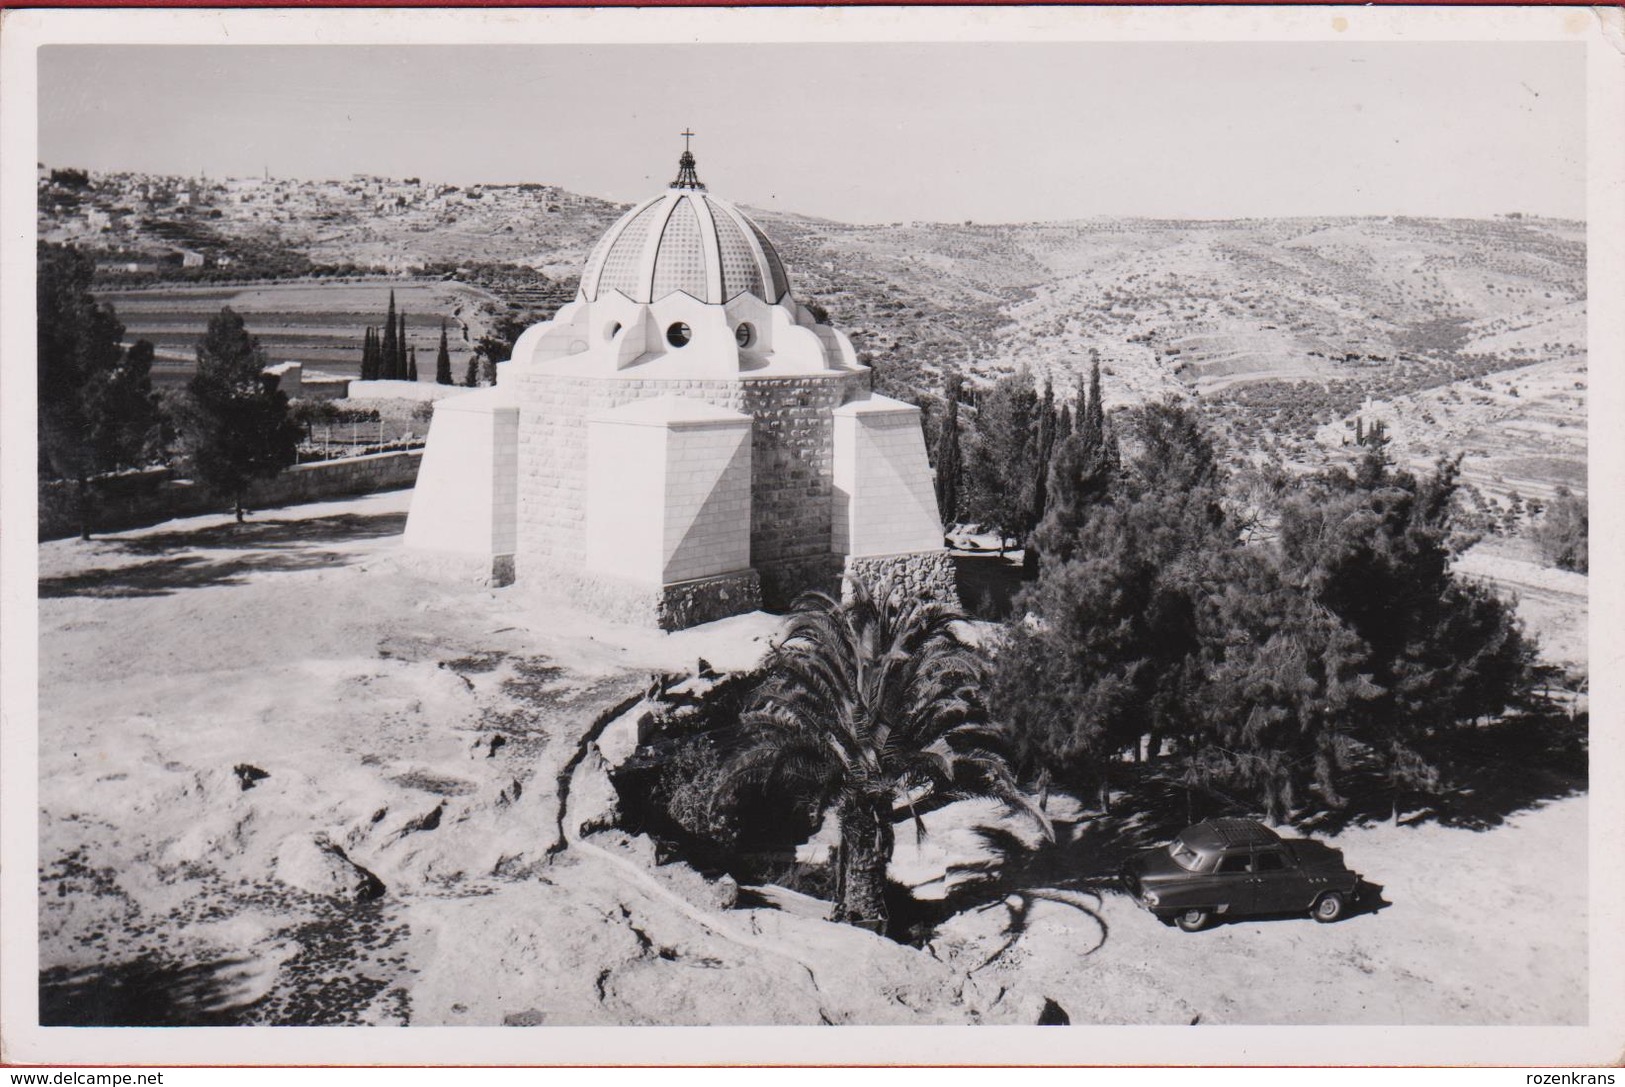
column 865, row 132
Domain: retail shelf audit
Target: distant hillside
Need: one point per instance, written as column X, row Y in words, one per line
column 1285, row 327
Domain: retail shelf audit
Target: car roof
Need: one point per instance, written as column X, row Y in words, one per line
column 1222, row 833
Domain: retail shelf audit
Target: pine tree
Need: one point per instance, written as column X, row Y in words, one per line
column 1281, row 682
column 235, row 424
column 442, row 359
column 1002, row 470
column 1373, row 549
column 949, row 462
column 96, row 408
column 388, row 362
column 1113, row 654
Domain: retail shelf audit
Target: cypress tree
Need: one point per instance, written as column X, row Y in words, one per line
column 471, row 377
column 400, row 347
column 1043, row 449
column 1081, row 472
column 388, row 369
column 412, row 364
column 950, row 462
column 1094, row 421
column 442, row 360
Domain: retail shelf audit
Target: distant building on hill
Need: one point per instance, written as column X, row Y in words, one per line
column 683, row 441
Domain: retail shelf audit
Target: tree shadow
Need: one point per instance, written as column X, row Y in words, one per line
column 1013, row 875
column 1488, row 773
column 268, row 534
column 145, row 992
column 163, row 577
column 286, row 546
column 987, row 584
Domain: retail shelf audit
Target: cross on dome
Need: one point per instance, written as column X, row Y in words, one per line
column 686, row 177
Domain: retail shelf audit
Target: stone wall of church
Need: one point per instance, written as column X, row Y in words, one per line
column 927, row 575
column 791, row 463
column 670, row 607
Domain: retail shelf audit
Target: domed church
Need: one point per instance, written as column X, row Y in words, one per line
column 683, row 441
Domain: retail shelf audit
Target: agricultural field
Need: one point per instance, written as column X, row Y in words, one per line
column 318, row 323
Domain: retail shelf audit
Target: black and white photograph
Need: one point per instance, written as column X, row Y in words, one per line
column 952, row 518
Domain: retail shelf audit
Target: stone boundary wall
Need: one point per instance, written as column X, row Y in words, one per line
column 147, row 498
column 792, row 462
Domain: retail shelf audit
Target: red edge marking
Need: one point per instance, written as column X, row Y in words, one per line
column 321, row 4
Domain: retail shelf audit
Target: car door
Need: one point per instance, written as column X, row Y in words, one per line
column 1277, row 882
column 1231, row 882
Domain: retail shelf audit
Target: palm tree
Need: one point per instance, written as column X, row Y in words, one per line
column 870, row 705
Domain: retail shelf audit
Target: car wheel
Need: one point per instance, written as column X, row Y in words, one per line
column 1193, row 920
column 1329, row 907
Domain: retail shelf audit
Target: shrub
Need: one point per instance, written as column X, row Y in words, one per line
column 1562, row 533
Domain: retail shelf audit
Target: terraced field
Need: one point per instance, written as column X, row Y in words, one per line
column 320, row 324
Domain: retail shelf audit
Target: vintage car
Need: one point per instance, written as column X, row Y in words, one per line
column 1237, row 867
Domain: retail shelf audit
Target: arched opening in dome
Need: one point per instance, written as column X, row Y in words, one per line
column 678, row 334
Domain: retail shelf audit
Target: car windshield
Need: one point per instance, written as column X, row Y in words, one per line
column 1184, row 856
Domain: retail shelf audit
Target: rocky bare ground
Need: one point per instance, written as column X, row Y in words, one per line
column 287, row 776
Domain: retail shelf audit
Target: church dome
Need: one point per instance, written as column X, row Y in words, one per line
column 685, row 240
